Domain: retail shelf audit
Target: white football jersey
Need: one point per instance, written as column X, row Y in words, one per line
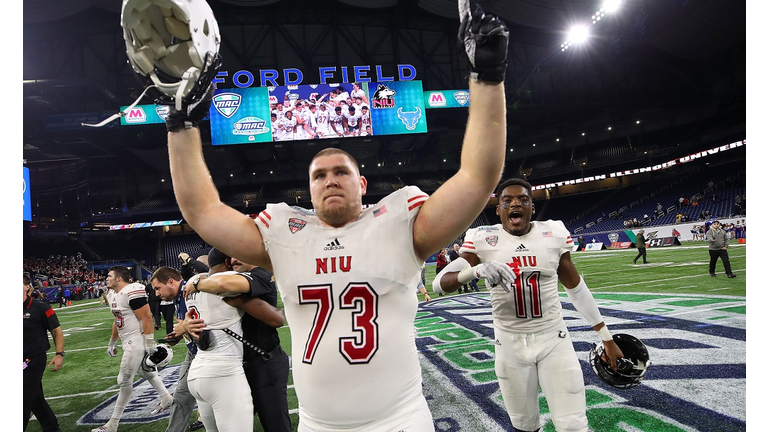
column 533, row 304
column 323, row 117
column 349, row 303
column 119, row 303
column 225, row 355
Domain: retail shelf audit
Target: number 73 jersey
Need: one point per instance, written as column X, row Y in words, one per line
column 533, row 303
column 350, row 306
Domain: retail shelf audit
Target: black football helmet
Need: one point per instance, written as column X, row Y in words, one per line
column 158, row 360
column 630, row 369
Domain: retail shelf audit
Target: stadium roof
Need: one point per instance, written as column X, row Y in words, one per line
column 678, row 67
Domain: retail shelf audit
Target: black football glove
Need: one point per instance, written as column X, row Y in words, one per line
column 195, row 106
column 191, row 113
column 483, row 41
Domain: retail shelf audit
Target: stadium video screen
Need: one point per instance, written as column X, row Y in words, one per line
column 309, row 112
column 322, row 111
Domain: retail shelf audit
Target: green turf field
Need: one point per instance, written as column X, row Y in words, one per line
column 88, row 377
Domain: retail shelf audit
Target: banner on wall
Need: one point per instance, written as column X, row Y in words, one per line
column 446, row 99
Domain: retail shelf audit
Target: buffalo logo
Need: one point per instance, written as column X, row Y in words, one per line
column 227, row 103
column 383, row 97
column 613, row 237
column 492, row 240
column 409, row 118
column 296, row 225
column 250, row 126
column 462, row 97
column 162, row 111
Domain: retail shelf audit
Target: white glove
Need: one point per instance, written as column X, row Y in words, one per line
column 494, row 272
column 149, row 344
column 112, row 348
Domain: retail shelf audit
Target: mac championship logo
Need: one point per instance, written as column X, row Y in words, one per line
column 162, row 111
column 492, row 240
column 250, row 126
column 462, row 97
column 227, row 103
column 613, row 237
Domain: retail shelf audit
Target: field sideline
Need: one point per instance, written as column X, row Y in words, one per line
column 87, row 379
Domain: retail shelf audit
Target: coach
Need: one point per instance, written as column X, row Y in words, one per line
column 39, row 318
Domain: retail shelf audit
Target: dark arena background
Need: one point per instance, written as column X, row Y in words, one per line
column 642, row 125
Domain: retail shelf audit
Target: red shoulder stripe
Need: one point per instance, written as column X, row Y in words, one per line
column 263, row 220
column 418, row 197
column 49, row 313
column 416, row 204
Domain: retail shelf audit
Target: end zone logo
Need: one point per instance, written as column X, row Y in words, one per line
column 227, row 103
column 383, row 97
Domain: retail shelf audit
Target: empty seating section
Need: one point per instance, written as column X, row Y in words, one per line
column 189, row 243
column 635, row 202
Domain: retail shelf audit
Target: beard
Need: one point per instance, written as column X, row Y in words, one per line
column 338, row 215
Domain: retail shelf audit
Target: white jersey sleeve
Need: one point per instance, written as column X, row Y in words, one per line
column 349, row 302
column 533, row 304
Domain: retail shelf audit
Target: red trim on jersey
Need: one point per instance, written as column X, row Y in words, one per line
column 569, row 241
column 417, row 197
column 423, row 199
column 266, row 224
column 144, row 291
column 49, row 313
column 468, row 245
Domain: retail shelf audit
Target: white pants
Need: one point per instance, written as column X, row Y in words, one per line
column 414, row 417
column 525, row 361
column 224, row 403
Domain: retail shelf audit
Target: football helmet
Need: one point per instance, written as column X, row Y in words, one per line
column 173, row 45
column 158, row 360
column 630, row 369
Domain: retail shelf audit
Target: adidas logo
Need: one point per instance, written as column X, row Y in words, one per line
column 521, row 248
column 497, row 342
column 334, row 245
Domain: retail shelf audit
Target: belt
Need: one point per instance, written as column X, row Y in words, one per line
column 263, row 358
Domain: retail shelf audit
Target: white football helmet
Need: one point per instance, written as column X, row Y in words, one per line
column 158, row 360
column 174, row 44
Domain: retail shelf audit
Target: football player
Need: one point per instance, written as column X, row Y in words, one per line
column 216, row 377
column 134, row 326
column 522, row 260
column 350, row 313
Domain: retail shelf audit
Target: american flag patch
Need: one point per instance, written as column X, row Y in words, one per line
column 379, row 211
column 546, row 234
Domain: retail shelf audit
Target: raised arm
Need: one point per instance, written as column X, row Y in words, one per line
column 223, row 227
column 440, row 220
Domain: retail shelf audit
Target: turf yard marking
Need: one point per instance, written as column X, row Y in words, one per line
column 697, row 380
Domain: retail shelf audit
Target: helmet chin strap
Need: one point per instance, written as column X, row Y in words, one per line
column 187, row 82
column 121, row 113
